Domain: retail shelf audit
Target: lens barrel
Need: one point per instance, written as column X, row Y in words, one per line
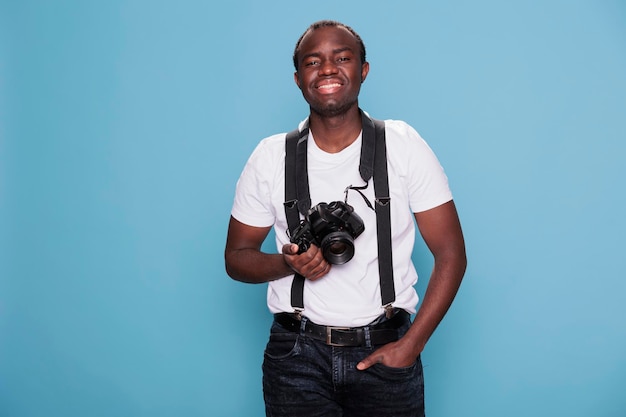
column 337, row 247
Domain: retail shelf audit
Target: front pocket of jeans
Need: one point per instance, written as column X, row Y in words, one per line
column 282, row 345
column 394, row 373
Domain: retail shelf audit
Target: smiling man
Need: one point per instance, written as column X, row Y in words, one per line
column 342, row 192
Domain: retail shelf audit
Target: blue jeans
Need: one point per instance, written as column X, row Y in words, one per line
column 305, row 377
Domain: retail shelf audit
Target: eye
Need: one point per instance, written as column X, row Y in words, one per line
column 311, row 63
column 343, row 59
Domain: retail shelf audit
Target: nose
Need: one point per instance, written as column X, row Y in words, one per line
column 328, row 67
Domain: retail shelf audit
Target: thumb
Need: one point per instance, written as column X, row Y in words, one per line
column 366, row 363
column 290, row 249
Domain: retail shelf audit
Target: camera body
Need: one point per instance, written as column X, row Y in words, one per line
column 333, row 228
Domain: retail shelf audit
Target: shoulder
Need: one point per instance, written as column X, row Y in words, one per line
column 274, row 145
column 407, row 151
column 403, row 139
column 268, row 151
column 400, row 130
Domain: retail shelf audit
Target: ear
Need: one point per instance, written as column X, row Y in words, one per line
column 296, row 79
column 365, row 69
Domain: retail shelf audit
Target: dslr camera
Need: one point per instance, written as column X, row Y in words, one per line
column 333, row 228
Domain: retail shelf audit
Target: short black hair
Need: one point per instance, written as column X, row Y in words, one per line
column 327, row 23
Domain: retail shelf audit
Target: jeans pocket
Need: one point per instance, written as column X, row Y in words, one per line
column 282, row 345
column 390, row 373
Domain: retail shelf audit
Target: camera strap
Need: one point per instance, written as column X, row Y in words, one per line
column 373, row 163
column 295, row 181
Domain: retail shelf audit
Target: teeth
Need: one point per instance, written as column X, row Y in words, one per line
column 330, row 85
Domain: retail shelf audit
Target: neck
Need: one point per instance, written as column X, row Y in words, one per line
column 334, row 134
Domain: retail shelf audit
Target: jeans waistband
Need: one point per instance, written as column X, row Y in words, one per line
column 380, row 333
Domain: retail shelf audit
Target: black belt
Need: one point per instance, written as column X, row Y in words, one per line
column 379, row 333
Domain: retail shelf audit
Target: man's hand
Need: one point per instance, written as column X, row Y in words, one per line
column 310, row 264
column 394, row 355
column 441, row 231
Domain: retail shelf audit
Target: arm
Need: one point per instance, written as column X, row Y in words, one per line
column 245, row 262
column 441, row 230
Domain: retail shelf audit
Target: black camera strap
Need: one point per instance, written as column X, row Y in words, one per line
column 296, row 181
column 383, row 216
column 373, row 163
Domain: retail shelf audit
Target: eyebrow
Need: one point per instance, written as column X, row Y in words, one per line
column 340, row 50
column 335, row 52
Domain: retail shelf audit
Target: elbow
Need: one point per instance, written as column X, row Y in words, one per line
column 462, row 258
column 228, row 270
column 234, row 267
column 232, row 273
column 462, row 264
column 454, row 261
column 457, row 256
column 229, row 267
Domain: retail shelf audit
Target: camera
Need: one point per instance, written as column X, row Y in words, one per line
column 333, row 228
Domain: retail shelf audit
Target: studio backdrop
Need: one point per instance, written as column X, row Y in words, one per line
column 124, row 126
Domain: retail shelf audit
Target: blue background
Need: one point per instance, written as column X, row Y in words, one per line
column 124, row 126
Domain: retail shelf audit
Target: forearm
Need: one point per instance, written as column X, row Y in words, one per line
column 442, row 288
column 441, row 291
column 254, row 266
column 441, row 230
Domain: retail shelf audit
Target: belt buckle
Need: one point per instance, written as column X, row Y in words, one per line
column 329, row 333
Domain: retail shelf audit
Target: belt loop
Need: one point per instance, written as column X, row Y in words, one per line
column 368, row 338
column 303, row 325
column 389, row 311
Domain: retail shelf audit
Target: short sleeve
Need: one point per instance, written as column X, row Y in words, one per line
column 253, row 194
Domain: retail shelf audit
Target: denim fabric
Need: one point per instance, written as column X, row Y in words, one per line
column 306, row 378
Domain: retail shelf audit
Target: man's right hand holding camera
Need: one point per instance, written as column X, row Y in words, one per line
column 310, row 264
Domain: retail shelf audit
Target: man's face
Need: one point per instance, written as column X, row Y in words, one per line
column 330, row 72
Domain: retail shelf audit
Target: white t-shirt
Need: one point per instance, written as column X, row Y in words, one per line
column 349, row 295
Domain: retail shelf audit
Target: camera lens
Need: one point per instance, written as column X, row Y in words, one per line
column 337, row 247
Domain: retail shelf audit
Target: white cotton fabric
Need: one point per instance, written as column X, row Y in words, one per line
column 350, row 294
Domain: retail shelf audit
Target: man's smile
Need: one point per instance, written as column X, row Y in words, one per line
column 329, row 88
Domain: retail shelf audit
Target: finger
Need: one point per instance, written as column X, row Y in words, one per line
column 367, row 362
column 290, row 249
column 319, row 271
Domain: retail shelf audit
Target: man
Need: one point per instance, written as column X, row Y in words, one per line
column 343, row 352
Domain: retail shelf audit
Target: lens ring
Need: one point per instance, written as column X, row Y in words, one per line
column 337, row 247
